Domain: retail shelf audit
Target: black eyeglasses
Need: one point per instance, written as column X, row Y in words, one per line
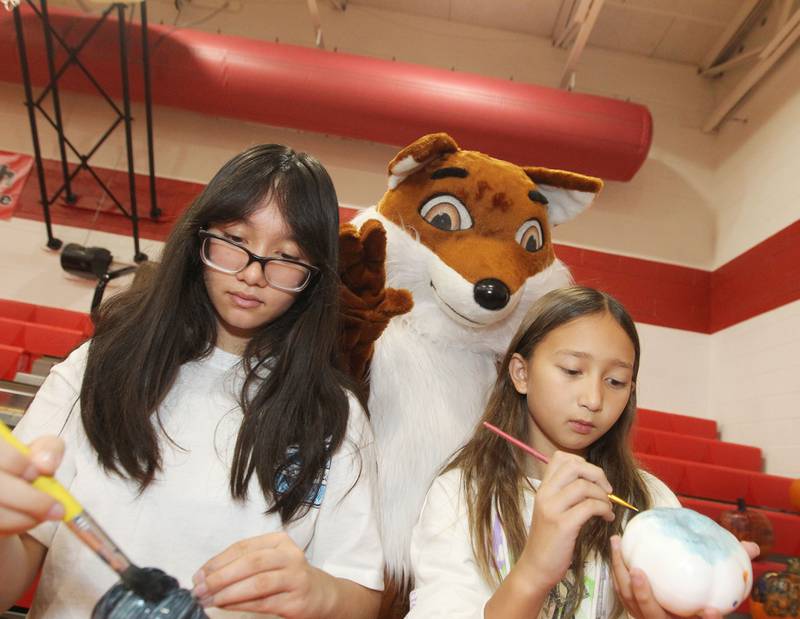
column 226, row 256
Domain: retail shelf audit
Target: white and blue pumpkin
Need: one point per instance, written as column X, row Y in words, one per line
column 691, row 562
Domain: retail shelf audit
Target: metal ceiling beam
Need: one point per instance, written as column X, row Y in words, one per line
column 587, row 14
column 313, row 9
column 784, row 30
column 730, row 34
column 562, row 20
column 646, row 9
column 786, row 36
column 733, row 62
column 785, row 11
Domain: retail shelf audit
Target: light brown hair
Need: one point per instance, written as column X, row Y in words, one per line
column 493, row 470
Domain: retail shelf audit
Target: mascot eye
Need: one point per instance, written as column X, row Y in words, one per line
column 447, row 213
column 530, row 235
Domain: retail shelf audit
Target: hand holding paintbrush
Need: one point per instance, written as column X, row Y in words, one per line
column 542, row 458
column 150, row 585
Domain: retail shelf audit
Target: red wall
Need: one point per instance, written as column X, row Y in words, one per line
column 761, row 279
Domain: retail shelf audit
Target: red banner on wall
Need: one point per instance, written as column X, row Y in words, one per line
column 14, row 170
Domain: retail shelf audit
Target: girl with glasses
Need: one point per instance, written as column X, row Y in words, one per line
column 207, row 425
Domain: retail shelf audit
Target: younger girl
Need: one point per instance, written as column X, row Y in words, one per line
column 568, row 389
column 206, row 425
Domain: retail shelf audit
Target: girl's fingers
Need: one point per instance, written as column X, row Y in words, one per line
column 15, row 463
column 565, row 468
column 46, row 454
column 575, row 492
column 239, row 549
column 619, row 572
column 752, row 549
column 650, row 609
column 19, row 496
column 240, row 569
column 12, row 522
column 277, row 604
column 579, row 515
column 251, row 589
column 621, row 578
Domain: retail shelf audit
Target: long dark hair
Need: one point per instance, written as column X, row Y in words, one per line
column 143, row 336
column 494, row 478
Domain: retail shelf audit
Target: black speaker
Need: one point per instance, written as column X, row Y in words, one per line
column 86, row 262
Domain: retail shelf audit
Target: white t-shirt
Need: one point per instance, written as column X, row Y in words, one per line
column 447, row 581
column 187, row 515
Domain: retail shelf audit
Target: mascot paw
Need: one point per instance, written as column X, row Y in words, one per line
column 367, row 305
column 362, row 254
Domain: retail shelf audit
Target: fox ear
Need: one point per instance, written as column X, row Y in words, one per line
column 417, row 155
column 567, row 193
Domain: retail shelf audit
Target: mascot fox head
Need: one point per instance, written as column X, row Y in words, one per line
column 478, row 245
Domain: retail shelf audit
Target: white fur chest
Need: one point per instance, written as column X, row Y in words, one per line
column 425, row 399
column 430, row 375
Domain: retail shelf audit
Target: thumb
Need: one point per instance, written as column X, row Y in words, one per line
column 752, row 549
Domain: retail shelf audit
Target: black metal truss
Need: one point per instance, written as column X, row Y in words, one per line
column 123, row 116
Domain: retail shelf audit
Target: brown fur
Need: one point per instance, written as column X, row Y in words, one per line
column 496, row 194
column 426, row 147
column 564, row 179
column 367, row 306
column 488, row 247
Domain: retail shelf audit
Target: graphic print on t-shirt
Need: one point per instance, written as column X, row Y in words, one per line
column 288, row 474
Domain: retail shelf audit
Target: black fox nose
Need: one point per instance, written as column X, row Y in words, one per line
column 492, row 294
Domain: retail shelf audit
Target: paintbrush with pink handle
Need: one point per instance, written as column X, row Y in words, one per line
column 542, row 458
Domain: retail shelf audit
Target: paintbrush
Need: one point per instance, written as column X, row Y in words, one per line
column 149, row 584
column 542, row 458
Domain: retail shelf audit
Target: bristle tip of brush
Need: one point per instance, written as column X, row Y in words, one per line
column 149, row 583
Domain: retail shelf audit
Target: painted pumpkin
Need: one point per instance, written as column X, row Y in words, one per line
column 777, row 594
column 692, row 563
column 750, row 525
column 794, row 494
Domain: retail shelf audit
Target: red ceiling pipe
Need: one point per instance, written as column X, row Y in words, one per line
column 351, row 96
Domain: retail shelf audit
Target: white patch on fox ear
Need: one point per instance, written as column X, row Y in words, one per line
column 401, row 170
column 564, row 204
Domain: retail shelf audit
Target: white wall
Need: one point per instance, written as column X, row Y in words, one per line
column 756, row 176
column 755, row 386
column 755, row 372
column 674, row 371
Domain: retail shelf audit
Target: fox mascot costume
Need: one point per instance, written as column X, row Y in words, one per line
column 468, row 249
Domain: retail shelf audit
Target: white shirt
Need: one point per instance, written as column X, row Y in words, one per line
column 447, row 581
column 187, row 515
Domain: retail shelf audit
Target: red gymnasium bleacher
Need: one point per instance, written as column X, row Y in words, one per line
column 29, row 331
column 707, row 474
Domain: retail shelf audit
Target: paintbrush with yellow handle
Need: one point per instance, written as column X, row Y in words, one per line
column 151, row 585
